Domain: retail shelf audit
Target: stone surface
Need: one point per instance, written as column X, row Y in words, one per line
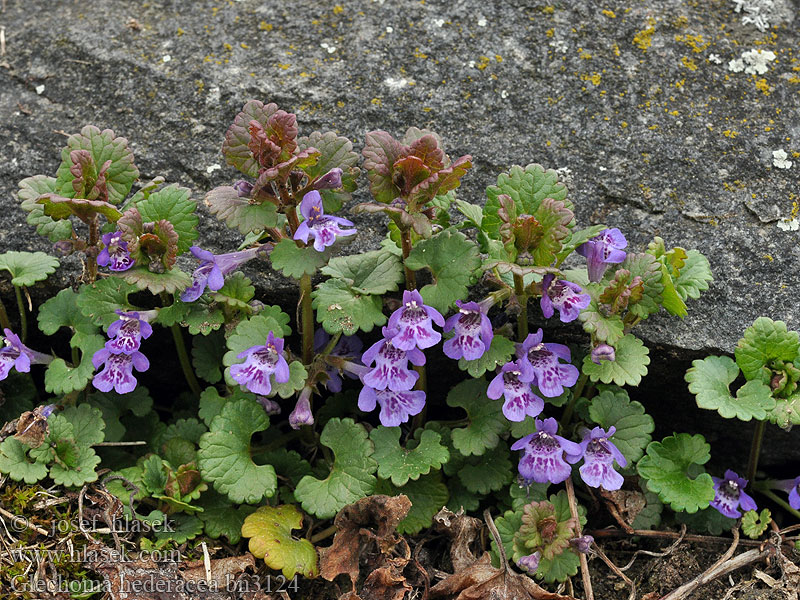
column 636, row 100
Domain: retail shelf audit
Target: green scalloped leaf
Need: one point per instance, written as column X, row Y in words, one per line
column 577, row 238
column 183, row 528
column 240, row 213
column 270, row 532
column 224, row 455
column 294, row 261
column 87, row 423
column 297, row 379
column 649, row 269
column 490, row 472
column 62, row 311
column 236, row 149
column 173, row 204
column 453, row 260
column 486, row 420
column 764, row 341
column 634, row 426
column 351, row 475
column 170, row 281
column 708, row 520
column 527, row 188
column 499, row 353
column 99, row 301
column 373, row 273
column 694, row 276
column 340, row 309
column 710, row 379
column 632, row 358
column 237, row 292
column 754, row 524
column 427, row 494
column 79, row 473
column 61, row 379
column 207, row 353
column 604, row 328
column 14, row 461
column 113, row 405
column 220, row 518
column 19, row 392
column 786, row 412
column 103, row 145
column 335, row 151
column 667, row 467
column 30, row 189
column 401, row 464
column 26, row 268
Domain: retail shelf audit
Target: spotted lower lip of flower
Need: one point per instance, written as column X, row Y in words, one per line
column 14, row 354
column 396, row 407
column 115, row 254
column 127, row 333
column 599, row 454
column 413, row 323
column 520, row 401
column 539, row 365
column 323, row 228
column 730, row 495
column 117, row 374
column 391, row 365
column 473, row 332
column 563, row 295
column 602, row 250
column 261, row 363
column 543, row 453
column 213, row 268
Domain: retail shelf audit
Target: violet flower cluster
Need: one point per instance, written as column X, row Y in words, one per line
column 213, row 269
column 390, row 382
column 730, row 496
column 323, row 228
column 115, row 253
column 121, row 355
column 604, row 249
column 261, row 364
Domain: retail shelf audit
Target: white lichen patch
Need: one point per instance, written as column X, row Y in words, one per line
column 779, row 159
column 503, row 94
column 755, row 12
column 329, row 47
column 211, row 168
column 789, row 224
column 40, row 89
column 752, row 62
column 482, row 21
column 714, row 59
column 438, row 22
column 395, row 84
column 166, row 58
column 559, row 46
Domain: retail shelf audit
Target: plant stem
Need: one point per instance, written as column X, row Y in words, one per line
column 411, row 276
column 573, row 509
column 23, row 317
column 183, row 357
column 576, row 393
column 76, row 357
column 522, row 298
column 325, row 533
column 755, row 450
column 91, row 257
column 4, row 322
column 307, row 316
column 779, row 501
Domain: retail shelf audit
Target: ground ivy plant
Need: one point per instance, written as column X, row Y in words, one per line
column 478, row 284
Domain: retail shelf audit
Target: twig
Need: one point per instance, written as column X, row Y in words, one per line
column 711, row 539
column 206, row 561
column 2, row 40
column 616, row 570
column 113, row 444
column 730, row 550
column 573, row 509
column 23, row 520
column 666, row 552
column 487, row 516
column 719, row 570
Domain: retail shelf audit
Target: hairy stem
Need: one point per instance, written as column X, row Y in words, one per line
column 755, row 450
column 576, row 393
column 4, row 322
column 307, row 316
column 411, row 276
column 573, row 509
column 91, row 257
column 522, row 298
column 23, row 317
column 183, row 357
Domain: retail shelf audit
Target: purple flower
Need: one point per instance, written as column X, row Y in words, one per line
column 603, row 352
column 243, row 188
column 391, row 365
column 213, row 268
column 598, row 455
column 301, row 415
column 330, row 181
column 582, row 544
column 270, row 406
column 539, row 365
column 530, row 562
column 396, row 407
column 262, row 362
column 347, row 346
column 602, row 250
column 730, row 495
column 17, row 355
column 543, row 454
column 115, row 255
column 323, row 228
column 413, row 323
column 793, row 487
column 127, row 333
column 473, row 332
column 117, row 374
column 563, row 295
column 520, row 401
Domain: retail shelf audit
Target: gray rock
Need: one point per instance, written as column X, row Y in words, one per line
column 658, row 137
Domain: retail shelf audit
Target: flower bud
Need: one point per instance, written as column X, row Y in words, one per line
column 64, row 247
column 270, row 406
column 301, row 415
column 582, row 544
column 530, row 562
column 330, row 181
column 603, row 352
column 243, row 188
